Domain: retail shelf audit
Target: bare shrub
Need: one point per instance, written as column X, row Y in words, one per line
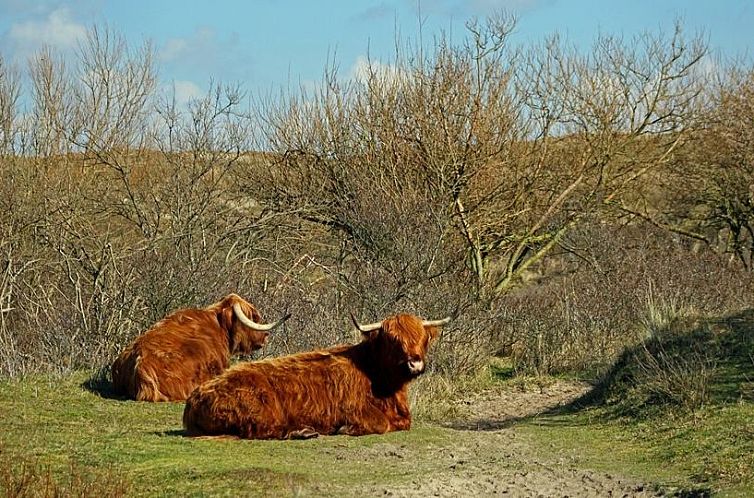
column 675, row 371
column 122, row 211
column 456, row 174
column 315, row 321
column 706, row 192
column 611, row 286
column 382, row 163
column 476, row 179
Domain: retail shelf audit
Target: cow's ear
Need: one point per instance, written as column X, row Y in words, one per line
column 226, row 316
column 260, row 341
column 433, row 332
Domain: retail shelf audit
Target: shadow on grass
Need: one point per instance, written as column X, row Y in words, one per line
column 99, row 383
column 724, row 346
column 184, row 434
column 656, row 375
column 553, row 417
column 172, row 433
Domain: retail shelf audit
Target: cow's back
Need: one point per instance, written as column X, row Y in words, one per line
column 269, row 399
column 233, row 405
column 171, row 359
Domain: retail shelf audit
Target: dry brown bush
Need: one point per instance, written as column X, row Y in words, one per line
column 611, row 281
column 438, row 185
column 717, row 199
column 119, row 209
column 477, row 180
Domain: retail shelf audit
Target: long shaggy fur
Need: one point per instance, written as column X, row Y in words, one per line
column 356, row 390
column 185, row 349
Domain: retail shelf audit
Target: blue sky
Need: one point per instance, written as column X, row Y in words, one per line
column 269, row 44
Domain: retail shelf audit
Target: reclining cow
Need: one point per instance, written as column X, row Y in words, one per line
column 187, row 348
column 356, row 390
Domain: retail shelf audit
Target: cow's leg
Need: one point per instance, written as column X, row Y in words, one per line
column 375, row 422
column 305, row 433
column 401, row 424
column 360, row 429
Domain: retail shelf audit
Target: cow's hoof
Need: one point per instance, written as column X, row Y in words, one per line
column 346, row 430
column 305, row 433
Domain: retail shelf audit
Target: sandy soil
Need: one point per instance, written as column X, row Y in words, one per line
column 493, row 459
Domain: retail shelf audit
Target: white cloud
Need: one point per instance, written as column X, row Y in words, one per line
column 58, row 30
column 173, row 49
column 203, row 40
column 186, row 91
column 376, row 13
column 363, row 67
column 488, row 6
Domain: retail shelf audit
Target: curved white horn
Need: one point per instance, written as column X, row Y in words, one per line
column 435, row 323
column 254, row 325
column 365, row 328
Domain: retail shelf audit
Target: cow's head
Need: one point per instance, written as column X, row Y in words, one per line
column 402, row 342
column 242, row 321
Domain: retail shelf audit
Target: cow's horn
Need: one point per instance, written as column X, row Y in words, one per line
column 365, row 328
column 254, row 325
column 435, row 323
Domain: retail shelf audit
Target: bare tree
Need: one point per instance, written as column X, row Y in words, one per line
column 440, row 182
column 52, row 103
column 712, row 199
column 603, row 121
column 115, row 86
column 499, row 151
column 387, row 160
column 10, row 92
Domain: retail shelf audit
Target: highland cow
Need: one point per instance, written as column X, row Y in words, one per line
column 355, row 389
column 187, row 348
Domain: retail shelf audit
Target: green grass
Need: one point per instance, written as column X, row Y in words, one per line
column 710, row 450
column 58, row 423
column 55, row 434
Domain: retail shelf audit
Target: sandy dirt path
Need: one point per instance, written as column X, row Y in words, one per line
column 492, row 458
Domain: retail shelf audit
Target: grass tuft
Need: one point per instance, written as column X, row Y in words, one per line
column 31, row 479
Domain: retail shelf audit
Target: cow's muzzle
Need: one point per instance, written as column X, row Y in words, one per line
column 415, row 366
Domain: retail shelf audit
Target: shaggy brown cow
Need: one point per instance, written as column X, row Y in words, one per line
column 187, row 348
column 356, row 390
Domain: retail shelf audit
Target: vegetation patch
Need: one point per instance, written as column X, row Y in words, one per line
column 511, row 434
column 682, row 367
column 653, row 423
column 29, row 478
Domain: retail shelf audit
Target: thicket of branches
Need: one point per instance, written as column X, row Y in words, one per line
column 536, row 194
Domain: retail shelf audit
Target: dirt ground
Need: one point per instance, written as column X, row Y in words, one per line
column 493, row 459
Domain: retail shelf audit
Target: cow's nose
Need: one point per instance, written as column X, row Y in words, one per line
column 415, row 366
